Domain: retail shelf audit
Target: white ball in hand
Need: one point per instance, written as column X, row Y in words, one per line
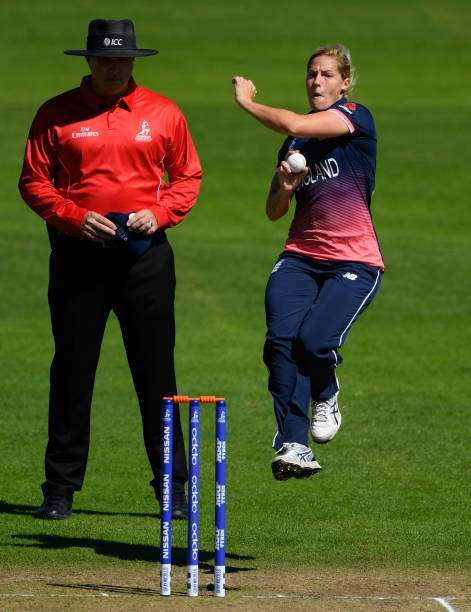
column 296, row 162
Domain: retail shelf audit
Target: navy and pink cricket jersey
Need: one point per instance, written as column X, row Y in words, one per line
column 333, row 219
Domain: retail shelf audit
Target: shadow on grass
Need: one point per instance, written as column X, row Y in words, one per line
column 129, row 590
column 109, row 588
column 123, row 550
column 7, row 508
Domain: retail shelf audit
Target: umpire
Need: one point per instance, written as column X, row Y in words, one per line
column 94, row 170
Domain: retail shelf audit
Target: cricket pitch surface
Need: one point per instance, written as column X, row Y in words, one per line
column 138, row 589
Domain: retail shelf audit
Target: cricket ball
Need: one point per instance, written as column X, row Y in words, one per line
column 296, row 162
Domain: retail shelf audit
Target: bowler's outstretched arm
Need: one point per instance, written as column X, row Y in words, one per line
column 321, row 124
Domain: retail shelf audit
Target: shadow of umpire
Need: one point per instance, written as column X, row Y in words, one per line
column 124, row 550
column 9, row 508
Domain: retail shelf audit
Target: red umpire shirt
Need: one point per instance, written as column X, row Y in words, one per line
column 83, row 154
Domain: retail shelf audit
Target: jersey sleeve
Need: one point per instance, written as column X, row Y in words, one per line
column 357, row 117
column 36, row 182
column 183, row 167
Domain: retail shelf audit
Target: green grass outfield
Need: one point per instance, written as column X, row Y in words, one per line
column 394, row 492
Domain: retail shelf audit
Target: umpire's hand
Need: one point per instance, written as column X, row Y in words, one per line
column 97, row 228
column 142, row 222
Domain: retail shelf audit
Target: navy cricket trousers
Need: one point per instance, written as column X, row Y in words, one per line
column 310, row 308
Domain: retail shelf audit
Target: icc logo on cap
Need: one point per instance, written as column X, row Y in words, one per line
column 115, row 42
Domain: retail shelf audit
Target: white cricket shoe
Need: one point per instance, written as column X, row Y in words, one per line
column 294, row 460
column 326, row 420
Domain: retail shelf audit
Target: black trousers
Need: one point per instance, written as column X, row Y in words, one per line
column 86, row 282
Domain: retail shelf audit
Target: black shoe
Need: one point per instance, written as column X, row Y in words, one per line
column 55, row 507
column 179, row 502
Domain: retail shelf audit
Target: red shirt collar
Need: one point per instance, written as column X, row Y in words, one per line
column 99, row 103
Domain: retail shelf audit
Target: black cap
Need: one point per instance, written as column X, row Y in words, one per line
column 111, row 38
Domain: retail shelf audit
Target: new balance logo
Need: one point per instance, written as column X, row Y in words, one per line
column 277, row 266
column 350, row 276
